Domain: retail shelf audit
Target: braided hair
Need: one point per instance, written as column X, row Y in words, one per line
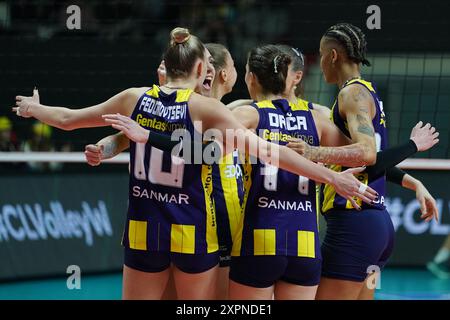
column 352, row 40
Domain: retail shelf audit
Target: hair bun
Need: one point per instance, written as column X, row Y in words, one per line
column 179, row 36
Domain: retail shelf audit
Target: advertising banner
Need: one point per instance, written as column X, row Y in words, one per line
column 50, row 222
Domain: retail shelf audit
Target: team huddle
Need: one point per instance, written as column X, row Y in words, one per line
column 245, row 226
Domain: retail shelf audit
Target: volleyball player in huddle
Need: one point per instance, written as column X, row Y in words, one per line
column 356, row 242
column 396, row 154
column 170, row 213
column 276, row 252
column 227, row 174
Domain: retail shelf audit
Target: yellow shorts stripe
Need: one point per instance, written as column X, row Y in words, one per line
column 137, row 234
column 306, row 244
column 182, row 238
column 264, row 242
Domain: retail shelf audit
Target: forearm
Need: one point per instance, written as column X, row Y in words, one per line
column 69, row 119
column 54, row 116
column 411, row 183
column 287, row 159
column 353, row 155
column 401, row 178
column 113, row 145
column 390, row 157
column 290, row 161
column 187, row 148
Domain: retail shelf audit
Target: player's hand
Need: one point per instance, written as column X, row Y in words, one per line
column 94, row 154
column 24, row 104
column 427, row 203
column 425, row 137
column 299, row 146
column 128, row 126
column 348, row 187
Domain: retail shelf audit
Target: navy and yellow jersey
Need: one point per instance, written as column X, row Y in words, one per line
column 228, row 194
column 170, row 207
column 331, row 200
column 301, row 101
column 280, row 208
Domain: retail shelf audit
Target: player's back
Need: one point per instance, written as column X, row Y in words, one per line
column 170, row 202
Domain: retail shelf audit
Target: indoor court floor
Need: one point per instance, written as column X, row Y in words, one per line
column 396, row 284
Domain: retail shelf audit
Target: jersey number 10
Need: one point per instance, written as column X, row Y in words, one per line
column 156, row 175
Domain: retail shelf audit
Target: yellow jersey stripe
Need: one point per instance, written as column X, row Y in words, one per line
column 183, row 95
column 230, row 194
column 301, row 105
column 363, row 178
column 329, row 193
column 265, row 104
column 153, row 92
column 237, row 237
column 212, row 241
column 364, row 82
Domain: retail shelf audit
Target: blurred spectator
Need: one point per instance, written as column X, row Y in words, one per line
column 7, row 136
column 8, row 143
column 41, row 141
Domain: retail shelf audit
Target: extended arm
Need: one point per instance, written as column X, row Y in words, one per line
column 427, row 202
column 70, row 119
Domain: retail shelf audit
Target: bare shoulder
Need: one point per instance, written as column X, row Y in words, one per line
column 356, row 98
column 201, row 108
column 245, row 109
column 197, row 100
column 238, row 103
column 135, row 92
column 323, row 110
column 247, row 116
column 318, row 115
column 355, row 93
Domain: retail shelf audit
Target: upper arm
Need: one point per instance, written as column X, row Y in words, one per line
column 214, row 115
column 329, row 134
column 123, row 103
column 356, row 105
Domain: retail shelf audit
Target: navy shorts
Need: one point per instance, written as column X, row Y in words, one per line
column 225, row 256
column 355, row 241
column 154, row 261
column 264, row 271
